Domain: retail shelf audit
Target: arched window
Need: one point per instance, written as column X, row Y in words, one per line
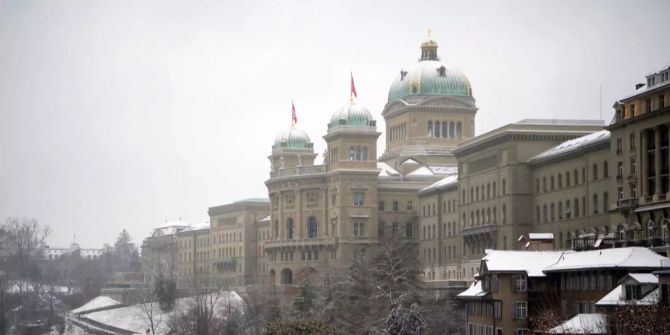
column 410, row 207
column 576, row 207
column 605, row 170
column 276, row 230
column 560, row 181
column 289, row 228
column 552, row 182
column 436, row 132
column 495, row 215
column 504, row 187
column 395, row 206
column 504, row 214
column 408, row 230
column 567, row 179
column 544, row 213
column 430, row 128
column 560, row 210
column 568, row 210
column 595, row 171
column 595, row 203
column 312, row 227
column 494, row 189
column 553, row 212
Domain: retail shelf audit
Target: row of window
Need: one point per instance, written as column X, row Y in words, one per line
column 398, row 132
column 445, row 129
column 549, row 211
column 409, row 233
column 226, row 237
column 395, row 207
column 557, row 183
column 448, row 206
column 586, row 281
column 488, row 216
column 312, row 228
column 288, row 256
column 485, row 192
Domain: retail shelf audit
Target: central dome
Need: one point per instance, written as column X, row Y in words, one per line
column 430, row 77
column 351, row 115
column 293, row 138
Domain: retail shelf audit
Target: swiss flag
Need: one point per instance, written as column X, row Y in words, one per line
column 353, row 87
column 294, row 118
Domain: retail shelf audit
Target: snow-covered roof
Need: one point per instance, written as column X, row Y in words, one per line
column 643, row 278
column 633, row 258
column 422, row 171
column 573, row 145
column 170, row 228
column 473, row 292
column 203, row 226
column 444, row 169
column 409, row 161
column 96, row 303
column 266, row 219
column 444, row 182
column 386, row 170
column 592, row 323
column 617, row 296
column 541, row 236
column 533, row 261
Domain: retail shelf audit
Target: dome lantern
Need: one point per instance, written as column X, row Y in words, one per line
column 429, row 49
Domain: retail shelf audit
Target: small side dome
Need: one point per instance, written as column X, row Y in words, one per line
column 351, row 115
column 293, row 138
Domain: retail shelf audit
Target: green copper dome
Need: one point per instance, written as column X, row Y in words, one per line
column 293, row 138
column 430, row 77
column 351, row 115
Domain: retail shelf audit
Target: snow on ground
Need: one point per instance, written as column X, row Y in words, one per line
column 96, row 303
column 134, row 319
column 582, row 324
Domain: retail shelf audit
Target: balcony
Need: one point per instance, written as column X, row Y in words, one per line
column 298, row 171
column 300, row 243
column 627, row 204
column 479, row 230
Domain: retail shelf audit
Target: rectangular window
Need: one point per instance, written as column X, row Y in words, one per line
column 497, row 310
column 522, row 331
column 631, row 143
column 619, row 145
column 495, row 283
column 358, row 199
column 359, row 229
column 520, row 310
column 521, row 283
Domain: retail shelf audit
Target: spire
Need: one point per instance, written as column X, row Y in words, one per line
column 429, row 48
column 294, row 117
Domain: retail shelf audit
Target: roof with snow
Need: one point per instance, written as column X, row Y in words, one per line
column 266, row 219
column 572, row 146
column 170, row 228
column 642, row 278
column 386, row 170
column 534, row 262
column 440, row 184
column 96, row 303
column 617, row 297
column 475, row 291
column 592, row 323
column 541, row 236
column 628, row 258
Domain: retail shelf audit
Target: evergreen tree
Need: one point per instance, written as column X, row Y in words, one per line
column 304, row 301
column 165, row 290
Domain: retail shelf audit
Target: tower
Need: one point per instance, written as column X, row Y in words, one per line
column 430, row 109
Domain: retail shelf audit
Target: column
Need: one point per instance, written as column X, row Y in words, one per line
column 657, row 161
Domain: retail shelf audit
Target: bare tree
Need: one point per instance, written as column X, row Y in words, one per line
column 150, row 310
column 26, row 239
column 202, row 315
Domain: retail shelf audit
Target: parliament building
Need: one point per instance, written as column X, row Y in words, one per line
column 580, row 183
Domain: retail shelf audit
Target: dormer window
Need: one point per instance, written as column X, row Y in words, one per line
column 442, row 71
column 403, row 73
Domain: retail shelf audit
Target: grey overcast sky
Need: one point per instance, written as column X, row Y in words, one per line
column 122, row 114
